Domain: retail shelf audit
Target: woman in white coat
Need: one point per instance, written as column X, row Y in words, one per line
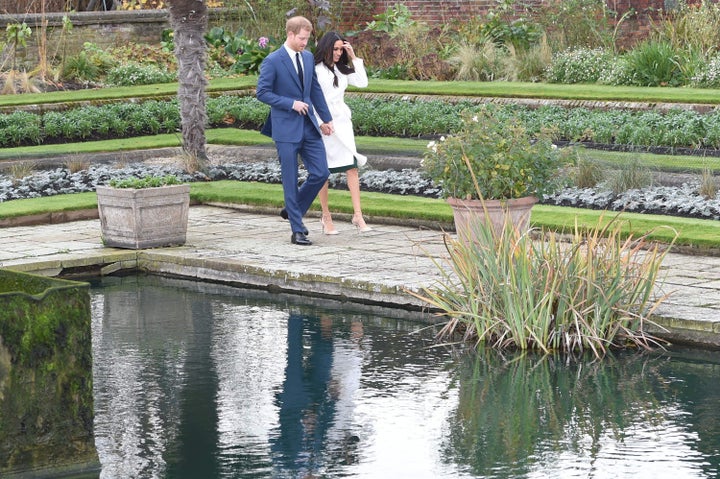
column 337, row 67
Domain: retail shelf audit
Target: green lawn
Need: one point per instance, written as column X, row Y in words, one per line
column 476, row 89
column 691, row 232
column 701, row 234
column 218, row 136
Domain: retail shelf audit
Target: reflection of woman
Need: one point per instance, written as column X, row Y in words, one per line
column 337, row 67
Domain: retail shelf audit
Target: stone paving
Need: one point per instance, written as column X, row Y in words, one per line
column 249, row 248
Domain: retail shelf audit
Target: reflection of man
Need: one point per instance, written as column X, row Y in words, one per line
column 288, row 83
column 305, row 407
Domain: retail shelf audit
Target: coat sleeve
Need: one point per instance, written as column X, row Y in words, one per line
column 359, row 78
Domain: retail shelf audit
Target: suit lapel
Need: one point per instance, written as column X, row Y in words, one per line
column 290, row 65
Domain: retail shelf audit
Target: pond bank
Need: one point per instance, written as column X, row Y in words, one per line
column 251, row 248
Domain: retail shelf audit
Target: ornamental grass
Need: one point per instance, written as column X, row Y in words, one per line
column 510, row 290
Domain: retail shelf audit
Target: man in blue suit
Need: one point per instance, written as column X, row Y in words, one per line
column 288, row 83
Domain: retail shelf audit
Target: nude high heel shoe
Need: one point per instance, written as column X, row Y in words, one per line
column 327, row 225
column 359, row 223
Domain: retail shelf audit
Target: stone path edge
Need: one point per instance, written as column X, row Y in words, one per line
column 236, row 274
column 233, row 273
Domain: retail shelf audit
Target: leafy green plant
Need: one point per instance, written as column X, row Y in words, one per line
column 80, row 67
column 654, row 63
column 145, row 182
column 17, row 35
column 254, row 53
column 242, row 54
column 504, row 29
column 392, row 21
column 694, row 26
column 512, row 292
column 129, row 74
column 580, row 23
column 579, row 65
column 708, row 74
column 489, row 158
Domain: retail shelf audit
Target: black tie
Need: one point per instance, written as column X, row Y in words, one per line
column 299, row 67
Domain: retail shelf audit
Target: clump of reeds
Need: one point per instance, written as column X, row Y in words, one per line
column 591, row 293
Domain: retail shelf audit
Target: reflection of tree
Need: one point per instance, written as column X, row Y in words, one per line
column 511, row 411
column 699, row 390
column 143, row 339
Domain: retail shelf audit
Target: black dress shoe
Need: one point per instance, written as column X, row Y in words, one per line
column 300, row 238
column 284, row 215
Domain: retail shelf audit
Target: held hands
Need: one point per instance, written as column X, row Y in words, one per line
column 300, row 107
column 327, row 128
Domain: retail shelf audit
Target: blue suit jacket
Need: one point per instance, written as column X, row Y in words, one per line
column 279, row 86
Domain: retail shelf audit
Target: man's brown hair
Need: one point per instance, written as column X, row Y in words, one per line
column 297, row 24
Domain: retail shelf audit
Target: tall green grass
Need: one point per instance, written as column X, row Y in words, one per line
column 509, row 291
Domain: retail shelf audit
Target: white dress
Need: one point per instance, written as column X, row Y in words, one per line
column 340, row 146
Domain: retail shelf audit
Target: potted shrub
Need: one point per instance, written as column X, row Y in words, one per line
column 146, row 212
column 493, row 169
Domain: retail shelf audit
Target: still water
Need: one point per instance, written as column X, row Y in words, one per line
column 194, row 380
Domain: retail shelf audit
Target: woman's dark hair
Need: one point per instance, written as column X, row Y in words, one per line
column 324, row 55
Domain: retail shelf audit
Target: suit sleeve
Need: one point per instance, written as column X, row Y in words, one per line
column 266, row 82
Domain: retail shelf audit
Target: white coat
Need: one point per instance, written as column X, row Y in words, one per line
column 340, row 146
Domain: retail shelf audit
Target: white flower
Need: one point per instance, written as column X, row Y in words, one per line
column 432, row 146
column 475, row 119
column 442, row 138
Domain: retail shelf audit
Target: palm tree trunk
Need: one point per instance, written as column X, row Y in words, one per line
column 189, row 20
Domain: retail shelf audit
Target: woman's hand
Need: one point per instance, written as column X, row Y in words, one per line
column 349, row 49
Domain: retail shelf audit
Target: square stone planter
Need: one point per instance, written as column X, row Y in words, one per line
column 143, row 218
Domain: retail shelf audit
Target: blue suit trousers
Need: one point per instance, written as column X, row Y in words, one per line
column 312, row 152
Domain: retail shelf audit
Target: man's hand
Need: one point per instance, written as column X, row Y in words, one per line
column 300, row 107
column 327, row 128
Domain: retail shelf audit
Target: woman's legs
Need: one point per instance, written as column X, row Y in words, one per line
column 326, row 220
column 353, row 182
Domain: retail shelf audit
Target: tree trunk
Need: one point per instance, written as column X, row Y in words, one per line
column 189, row 20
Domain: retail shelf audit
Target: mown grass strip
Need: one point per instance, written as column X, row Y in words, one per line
column 478, row 89
column 678, row 163
column 546, row 91
column 118, row 93
column 47, row 204
column 218, row 136
column 691, row 232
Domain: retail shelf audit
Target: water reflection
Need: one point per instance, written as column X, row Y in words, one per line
column 195, row 380
column 620, row 417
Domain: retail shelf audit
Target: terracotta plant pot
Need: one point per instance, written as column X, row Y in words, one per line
column 497, row 212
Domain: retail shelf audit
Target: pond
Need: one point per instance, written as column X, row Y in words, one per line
column 195, row 380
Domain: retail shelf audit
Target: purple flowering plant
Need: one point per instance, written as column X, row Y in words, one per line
column 253, row 54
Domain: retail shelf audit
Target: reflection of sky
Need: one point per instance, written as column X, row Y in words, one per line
column 408, row 423
column 249, row 347
column 658, row 451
